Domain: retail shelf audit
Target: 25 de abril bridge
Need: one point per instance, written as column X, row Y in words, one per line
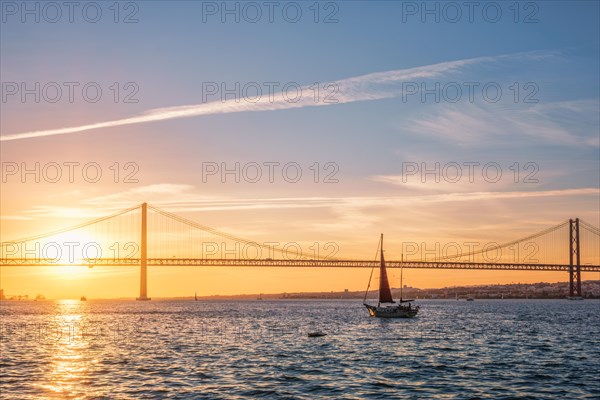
column 145, row 235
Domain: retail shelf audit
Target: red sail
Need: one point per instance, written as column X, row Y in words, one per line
column 385, row 295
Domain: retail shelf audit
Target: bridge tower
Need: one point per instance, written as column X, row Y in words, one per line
column 574, row 252
column 144, row 255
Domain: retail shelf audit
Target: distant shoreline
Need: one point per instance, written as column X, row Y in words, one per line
column 538, row 291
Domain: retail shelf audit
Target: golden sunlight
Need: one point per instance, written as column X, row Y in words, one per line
column 72, row 248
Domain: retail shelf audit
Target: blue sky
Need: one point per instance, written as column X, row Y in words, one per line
column 170, row 52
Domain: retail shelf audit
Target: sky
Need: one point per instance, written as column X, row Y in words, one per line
column 161, row 97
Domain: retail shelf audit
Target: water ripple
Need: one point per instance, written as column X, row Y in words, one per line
column 239, row 350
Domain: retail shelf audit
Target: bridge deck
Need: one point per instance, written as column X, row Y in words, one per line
column 15, row 262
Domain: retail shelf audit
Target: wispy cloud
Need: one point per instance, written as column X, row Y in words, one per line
column 572, row 123
column 338, row 218
column 374, row 86
column 184, row 200
column 417, row 185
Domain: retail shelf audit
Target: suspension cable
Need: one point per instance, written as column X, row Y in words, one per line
column 71, row 228
column 534, row 236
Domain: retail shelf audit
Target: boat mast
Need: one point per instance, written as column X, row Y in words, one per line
column 372, row 269
column 380, row 277
column 401, row 267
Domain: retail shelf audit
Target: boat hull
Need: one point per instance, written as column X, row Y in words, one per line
column 398, row 311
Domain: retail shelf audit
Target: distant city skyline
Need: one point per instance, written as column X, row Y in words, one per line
column 535, row 290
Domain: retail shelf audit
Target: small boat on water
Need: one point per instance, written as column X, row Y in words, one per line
column 316, row 334
column 83, row 298
column 195, row 296
column 470, row 299
column 386, row 306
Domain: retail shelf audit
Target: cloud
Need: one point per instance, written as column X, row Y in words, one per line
column 374, row 86
column 571, row 123
column 507, row 214
column 417, row 184
column 184, row 200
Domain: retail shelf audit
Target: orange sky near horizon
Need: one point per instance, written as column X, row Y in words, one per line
column 352, row 222
column 330, row 219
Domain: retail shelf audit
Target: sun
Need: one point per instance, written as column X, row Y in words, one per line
column 70, row 252
column 72, row 249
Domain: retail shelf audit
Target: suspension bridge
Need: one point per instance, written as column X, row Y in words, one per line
column 145, row 235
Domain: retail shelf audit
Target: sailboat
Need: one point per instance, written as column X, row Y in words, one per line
column 386, row 306
column 195, row 296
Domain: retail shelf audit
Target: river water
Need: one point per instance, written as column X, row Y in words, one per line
column 249, row 349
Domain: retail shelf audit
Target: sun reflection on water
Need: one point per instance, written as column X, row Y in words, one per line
column 68, row 372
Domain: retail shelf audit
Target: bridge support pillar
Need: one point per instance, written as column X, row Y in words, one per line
column 574, row 260
column 144, row 255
